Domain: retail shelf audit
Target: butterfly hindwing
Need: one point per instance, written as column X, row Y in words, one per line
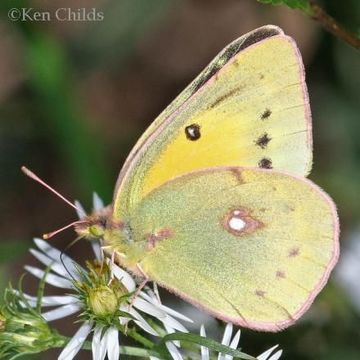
column 257, row 245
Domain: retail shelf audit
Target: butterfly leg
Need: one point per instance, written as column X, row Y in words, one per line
column 138, row 290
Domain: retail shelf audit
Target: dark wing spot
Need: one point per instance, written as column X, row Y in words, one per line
column 153, row 238
column 237, row 173
column 260, row 293
column 280, row 274
column 294, row 252
column 230, row 51
column 265, row 163
column 263, row 141
column 258, row 35
column 221, row 98
column 265, row 114
column 192, row 132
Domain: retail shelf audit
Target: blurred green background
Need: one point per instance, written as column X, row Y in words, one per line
column 76, row 95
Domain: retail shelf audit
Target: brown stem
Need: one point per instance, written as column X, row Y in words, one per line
column 331, row 25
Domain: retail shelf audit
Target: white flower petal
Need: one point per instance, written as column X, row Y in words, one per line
column 174, row 352
column 58, row 256
column 77, row 341
column 124, row 277
column 98, row 344
column 140, row 321
column 169, row 321
column 170, row 330
column 52, row 279
column 235, row 341
column 98, row 204
column 81, row 213
column 205, row 354
column 146, row 327
column 148, row 308
column 55, row 266
column 234, row 344
column 95, row 244
column 265, row 355
column 58, row 300
column 112, row 343
column 174, row 313
column 165, row 308
column 227, row 334
column 226, row 339
column 61, row 312
column 51, row 300
column 276, row 356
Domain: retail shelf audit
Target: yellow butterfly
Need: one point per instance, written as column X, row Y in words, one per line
column 212, row 202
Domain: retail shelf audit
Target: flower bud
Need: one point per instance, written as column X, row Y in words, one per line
column 23, row 330
column 103, row 300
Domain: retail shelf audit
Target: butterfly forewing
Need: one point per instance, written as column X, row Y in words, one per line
column 253, row 111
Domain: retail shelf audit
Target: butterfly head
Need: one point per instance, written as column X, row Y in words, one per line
column 94, row 225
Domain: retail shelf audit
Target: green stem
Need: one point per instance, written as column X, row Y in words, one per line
column 332, row 26
column 139, row 338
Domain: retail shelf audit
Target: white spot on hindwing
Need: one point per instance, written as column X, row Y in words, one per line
column 235, row 222
column 238, row 222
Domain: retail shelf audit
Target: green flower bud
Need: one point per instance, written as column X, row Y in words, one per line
column 23, row 330
column 103, row 300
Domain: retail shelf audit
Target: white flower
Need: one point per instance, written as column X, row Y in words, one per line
column 227, row 340
column 65, row 273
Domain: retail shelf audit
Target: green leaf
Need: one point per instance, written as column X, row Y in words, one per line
column 303, row 5
column 209, row 343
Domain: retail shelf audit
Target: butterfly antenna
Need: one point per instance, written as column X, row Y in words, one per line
column 51, row 234
column 31, row 175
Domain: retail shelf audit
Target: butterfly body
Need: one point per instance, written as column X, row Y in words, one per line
column 212, row 202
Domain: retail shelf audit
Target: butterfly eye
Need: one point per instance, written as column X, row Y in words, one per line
column 96, row 230
column 192, row 132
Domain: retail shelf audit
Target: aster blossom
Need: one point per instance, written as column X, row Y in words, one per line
column 98, row 298
column 102, row 294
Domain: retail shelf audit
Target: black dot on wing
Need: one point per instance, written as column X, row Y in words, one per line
column 263, row 141
column 265, row 163
column 192, row 132
column 265, row 114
